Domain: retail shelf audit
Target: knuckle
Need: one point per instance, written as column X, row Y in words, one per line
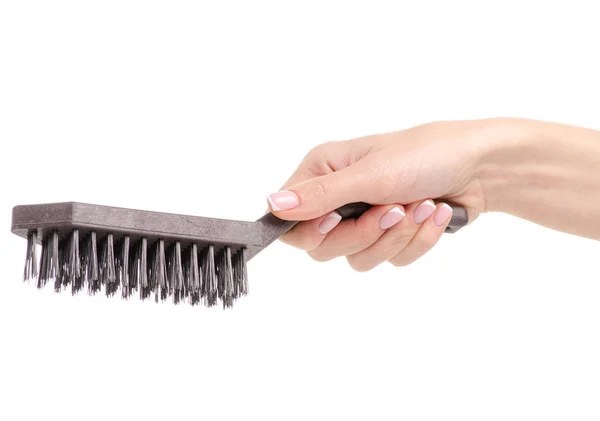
column 321, row 150
column 402, row 238
column 365, row 236
column 320, row 190
column 329, row 146
column 313, row 152
column 366, row 232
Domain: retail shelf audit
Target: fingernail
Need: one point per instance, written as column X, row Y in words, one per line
column 442, row 215
column 283, row 200
column 391, row 218
column 330, row 222
column 423, row 211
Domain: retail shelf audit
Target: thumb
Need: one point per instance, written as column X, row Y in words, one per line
column 321, row 195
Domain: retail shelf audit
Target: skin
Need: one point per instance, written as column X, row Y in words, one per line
column 544, row 172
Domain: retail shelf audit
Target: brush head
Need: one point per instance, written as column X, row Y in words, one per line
column 130, row 252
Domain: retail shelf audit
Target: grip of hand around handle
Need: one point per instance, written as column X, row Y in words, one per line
column 460, row 217
column 269, row 227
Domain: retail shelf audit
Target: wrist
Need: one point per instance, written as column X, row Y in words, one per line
column 507, row 163
column 543, row 172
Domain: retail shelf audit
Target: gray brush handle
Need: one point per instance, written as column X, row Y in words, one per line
column 459, row 219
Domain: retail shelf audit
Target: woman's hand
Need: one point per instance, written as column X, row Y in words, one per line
column 547, row 173
column 397, row 172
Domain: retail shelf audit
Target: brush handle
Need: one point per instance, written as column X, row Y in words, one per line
column 460, row 218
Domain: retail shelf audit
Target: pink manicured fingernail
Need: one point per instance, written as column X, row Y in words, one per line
column 391, row 218
column 423, row 211
column 442, row 215
column 330, row 222
column 283, row 200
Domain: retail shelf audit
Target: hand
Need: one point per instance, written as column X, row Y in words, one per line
column 397, row 172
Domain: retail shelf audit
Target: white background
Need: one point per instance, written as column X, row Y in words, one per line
column 203, row 109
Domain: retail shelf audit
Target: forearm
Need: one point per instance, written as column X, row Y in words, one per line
column 546, row 173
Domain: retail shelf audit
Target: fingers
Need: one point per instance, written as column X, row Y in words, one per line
column 354, row 235
column 321, row 195
column 319, row 237
column 392, row 233
column 307, row 235
column 427, row 237
column 408, row 240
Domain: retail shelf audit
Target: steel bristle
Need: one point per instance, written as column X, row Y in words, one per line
column 90, row 264
column 122, row 267
column 49, row 265
column 71, row 262
column 31, row 258
column 225, row 278
column 209, row 277
column 194, row 273
column 108, row 276
column 139, row 269
column 157, row 274
column 240, row 274
column 176, row 274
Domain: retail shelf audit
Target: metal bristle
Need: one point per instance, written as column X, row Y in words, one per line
column 225, row 278
column 122, row 267
column 68, row 250
column 139, row 269
column 31, row 271
column 185, row 279
column 49, row 265
column 240, row 274
column 176, row 273
column 62, row 278
column 193, row 276
column 42, row 275
column 184, row 272
column 158, row 282
column 90, row 264
column 71, row 267
column 108, row 277
column 209, row 277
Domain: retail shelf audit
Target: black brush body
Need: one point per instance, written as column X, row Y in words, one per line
column 151, row 254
